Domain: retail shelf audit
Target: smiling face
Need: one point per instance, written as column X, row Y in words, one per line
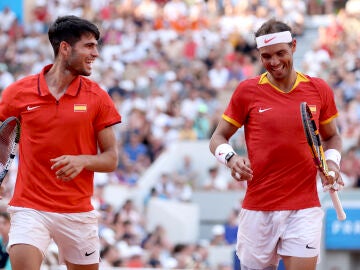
column 277, row 59
column 81, row 55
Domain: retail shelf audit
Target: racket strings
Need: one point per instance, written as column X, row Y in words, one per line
column 7, row 141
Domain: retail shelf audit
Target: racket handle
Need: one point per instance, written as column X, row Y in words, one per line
column 341, row 215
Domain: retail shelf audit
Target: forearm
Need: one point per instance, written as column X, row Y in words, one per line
column 102, row 162
column 334, row 142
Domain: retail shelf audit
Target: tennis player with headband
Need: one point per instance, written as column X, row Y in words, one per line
column 281, row 216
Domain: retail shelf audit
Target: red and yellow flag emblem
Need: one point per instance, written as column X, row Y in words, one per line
column 312, row 108
column 80, row 107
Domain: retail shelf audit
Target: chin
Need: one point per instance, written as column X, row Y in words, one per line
column 86, row 73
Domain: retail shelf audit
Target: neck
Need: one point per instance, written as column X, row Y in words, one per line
column 58, row 80
column 285, row 84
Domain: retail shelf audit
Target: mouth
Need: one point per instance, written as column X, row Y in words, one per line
column 89, row 62
column 277, row 68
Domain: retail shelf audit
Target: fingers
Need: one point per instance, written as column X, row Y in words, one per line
column 65, row 168
column 240, row 169
column 58, row 162
column 65, row 173
column 333, row 182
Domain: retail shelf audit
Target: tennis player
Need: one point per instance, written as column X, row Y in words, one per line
column 281, row 215
column 66, row 135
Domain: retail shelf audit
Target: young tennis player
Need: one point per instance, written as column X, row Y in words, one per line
column 281, row 215
column 66, row 134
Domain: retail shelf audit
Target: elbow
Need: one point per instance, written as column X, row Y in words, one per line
column 110, row 163
column 114, row 162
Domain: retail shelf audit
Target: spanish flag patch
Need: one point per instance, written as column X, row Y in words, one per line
column 80, row 107
column 312, row 108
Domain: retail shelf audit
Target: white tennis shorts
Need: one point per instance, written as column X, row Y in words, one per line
column 76, row 234
column 263, row 236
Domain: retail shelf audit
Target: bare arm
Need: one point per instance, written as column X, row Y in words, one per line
column 222, row 134
column 331, row 139
column 239, row 165
column 69, row 166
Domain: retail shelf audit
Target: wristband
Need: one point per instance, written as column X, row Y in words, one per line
column 333, row 155
column 221, row 152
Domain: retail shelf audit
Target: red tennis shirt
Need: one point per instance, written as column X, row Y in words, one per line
column 284, row 175
column 51, row 128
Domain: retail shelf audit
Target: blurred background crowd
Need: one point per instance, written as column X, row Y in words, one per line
column 170, row 67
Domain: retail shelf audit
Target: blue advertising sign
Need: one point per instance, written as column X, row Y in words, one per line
column 342, row 235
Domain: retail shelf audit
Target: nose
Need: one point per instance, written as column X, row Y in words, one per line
column 274, row 61
column 95, row 52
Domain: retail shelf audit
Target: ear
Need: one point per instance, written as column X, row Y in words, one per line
column 293, row 45
column 65, row 48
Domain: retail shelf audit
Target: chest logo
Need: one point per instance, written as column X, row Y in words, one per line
column 80, row 107
column 264, row 110
column 30, row 108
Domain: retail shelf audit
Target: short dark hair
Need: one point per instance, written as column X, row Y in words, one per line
column 70, row 29
column 272, row 26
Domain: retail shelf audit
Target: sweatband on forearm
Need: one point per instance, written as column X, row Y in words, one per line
column 333, row 155
column 222, row 150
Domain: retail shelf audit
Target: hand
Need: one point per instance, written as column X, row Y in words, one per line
column 67, row 167
column 334, row 181
column 240, row 168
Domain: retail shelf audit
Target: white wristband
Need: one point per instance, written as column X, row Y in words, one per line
column 221, row 151
column 333, row 155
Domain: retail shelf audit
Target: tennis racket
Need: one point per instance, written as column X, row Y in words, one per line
column 313, row 139
column 9, row 138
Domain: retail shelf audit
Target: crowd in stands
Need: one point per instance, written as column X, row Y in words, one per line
column 169, row 66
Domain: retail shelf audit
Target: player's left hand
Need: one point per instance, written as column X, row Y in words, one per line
column 332, row 182
column 67, row 166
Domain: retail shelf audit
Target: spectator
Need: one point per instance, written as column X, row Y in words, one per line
column 231, row 227
column 218, row 235
column 7, row 18
column 6, row 78
column 4, row 238
column 215, row 181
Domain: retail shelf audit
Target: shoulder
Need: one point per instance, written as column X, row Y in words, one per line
column 21, row 86
column 247, row 88
column 251, row 82
column 28, row 82
column 318, row 82
column 93, row 87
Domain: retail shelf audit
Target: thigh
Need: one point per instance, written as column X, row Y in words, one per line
column 296, row 263
column 258, row 236
column 71, row 266
column 76, row 236
column 23, row 256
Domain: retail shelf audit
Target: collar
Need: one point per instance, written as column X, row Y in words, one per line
column 43, row 90
column 300, row 77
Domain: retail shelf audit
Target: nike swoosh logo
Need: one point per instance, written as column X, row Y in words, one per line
column 32, row 108
column 268, row 40
column 309, row 247
column 88, row 254
column 264, row 110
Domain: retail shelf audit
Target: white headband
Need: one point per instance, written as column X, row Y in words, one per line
column 273, row 38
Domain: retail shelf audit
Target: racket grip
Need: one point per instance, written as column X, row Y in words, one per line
column 341, row 215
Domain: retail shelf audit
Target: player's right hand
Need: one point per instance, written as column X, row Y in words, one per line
column 240, row 168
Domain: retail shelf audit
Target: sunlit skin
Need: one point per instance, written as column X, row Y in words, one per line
column 277, row 59
column 82, row 55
